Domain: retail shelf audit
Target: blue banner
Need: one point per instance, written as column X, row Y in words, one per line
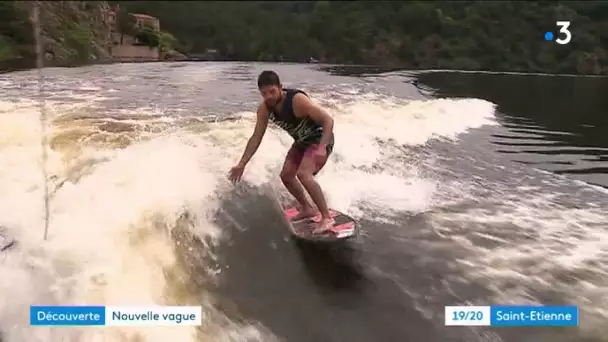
column 533, row 315
column 67, row 315
column 155, row 315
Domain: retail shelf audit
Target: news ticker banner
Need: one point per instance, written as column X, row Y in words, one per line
column 493, row 316
column 115, row 315
column 512, row 316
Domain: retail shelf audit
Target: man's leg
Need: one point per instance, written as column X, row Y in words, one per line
column 288, row 177
column 307, row 170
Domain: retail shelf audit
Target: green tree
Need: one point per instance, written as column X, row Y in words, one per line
column 126, row 24
column 148, row 36
column 7, row 49
column 79, row 41
column 16, row 31
column 168, row 42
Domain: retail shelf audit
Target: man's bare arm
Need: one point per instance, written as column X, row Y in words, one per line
column 303, row 106
column 256, row 138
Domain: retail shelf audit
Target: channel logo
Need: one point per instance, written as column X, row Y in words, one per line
column 563, row 30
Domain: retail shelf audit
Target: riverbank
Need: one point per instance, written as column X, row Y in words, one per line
column 22, row 64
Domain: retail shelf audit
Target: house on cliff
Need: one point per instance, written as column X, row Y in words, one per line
column 142, row 20
column 127, row 48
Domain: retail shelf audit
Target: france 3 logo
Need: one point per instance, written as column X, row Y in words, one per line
column 564, row 35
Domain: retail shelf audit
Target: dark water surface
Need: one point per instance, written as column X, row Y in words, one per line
column 559, row 124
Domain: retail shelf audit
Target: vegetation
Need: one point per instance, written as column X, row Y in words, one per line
column 16, row 34
column 148, row 36
column 169, row 43
column 125, row 24
column 479, row 35
column 77, row 40
column 71, row 33
column 492, row 35
column 7, row 49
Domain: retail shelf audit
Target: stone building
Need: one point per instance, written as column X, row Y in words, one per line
column 126, row 49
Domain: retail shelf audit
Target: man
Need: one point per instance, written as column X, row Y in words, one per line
column 312, row 130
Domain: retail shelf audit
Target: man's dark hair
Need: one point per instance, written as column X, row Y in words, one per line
column 268, row 78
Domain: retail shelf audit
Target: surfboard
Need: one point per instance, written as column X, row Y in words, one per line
column 344, row 227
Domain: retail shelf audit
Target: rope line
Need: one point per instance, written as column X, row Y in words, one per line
column 43, row 112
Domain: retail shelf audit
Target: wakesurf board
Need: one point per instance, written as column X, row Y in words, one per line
column 344, row 226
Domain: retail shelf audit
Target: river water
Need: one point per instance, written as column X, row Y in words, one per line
column 469, row 188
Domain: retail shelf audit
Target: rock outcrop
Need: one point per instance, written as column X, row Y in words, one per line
column 72, row 32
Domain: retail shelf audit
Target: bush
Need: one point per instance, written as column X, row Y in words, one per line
column 7, row 49
column 148, row 37
column 168, row 42
column 79, row 42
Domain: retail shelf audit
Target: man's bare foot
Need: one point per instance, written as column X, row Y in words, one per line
column 304, row 213
column 323, row 226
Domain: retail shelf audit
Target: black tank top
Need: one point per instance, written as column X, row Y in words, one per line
column 304, row 131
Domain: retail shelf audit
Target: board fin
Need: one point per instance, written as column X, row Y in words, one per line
column 6, row 241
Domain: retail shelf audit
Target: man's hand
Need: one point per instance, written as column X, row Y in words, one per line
column 252, row 144
column 236, row 173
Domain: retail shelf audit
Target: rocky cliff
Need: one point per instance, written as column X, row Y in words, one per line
column 73, row 33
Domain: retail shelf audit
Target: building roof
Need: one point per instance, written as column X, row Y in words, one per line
column 144, row 16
